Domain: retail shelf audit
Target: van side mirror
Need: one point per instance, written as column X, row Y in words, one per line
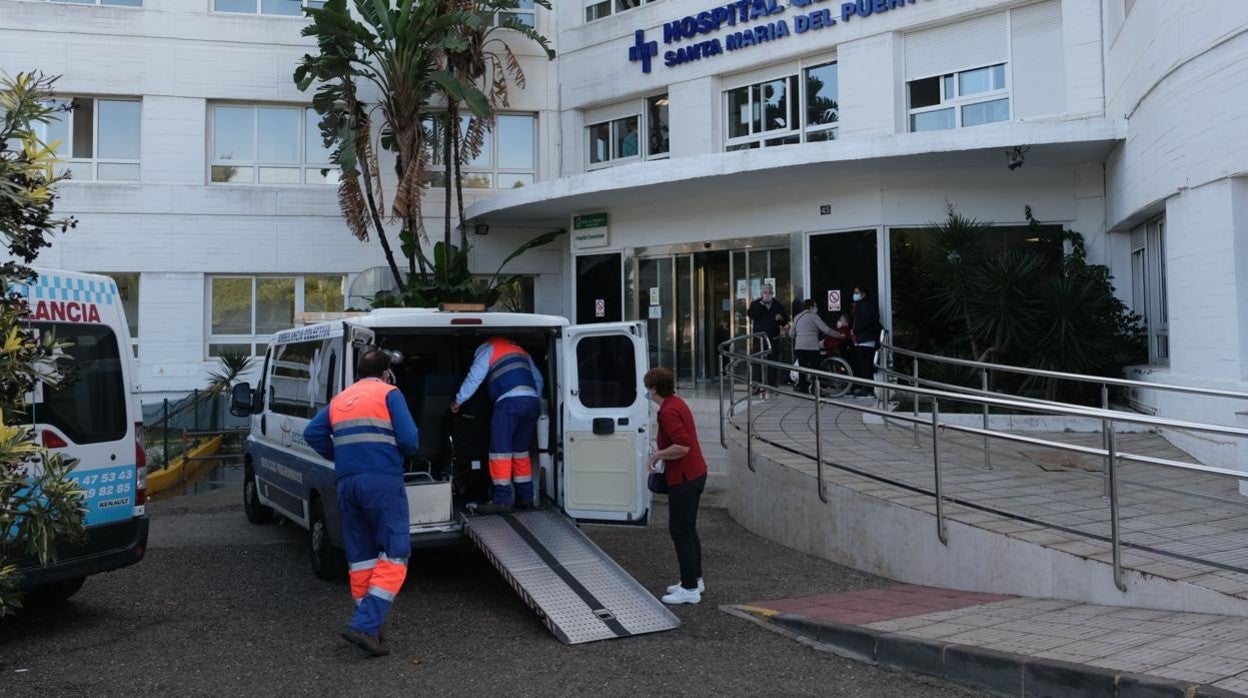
column 241, row 400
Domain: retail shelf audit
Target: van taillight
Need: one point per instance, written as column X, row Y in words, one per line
column 140, row 468
column 51, row 440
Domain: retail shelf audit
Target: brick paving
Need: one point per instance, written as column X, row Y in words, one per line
column 1177, row 525
column 1196, row 647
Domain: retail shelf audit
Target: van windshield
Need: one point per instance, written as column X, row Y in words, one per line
column 91, row 409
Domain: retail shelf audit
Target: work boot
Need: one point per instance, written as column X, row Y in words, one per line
column 369, row 643
column 494, row 508
column 524, row 495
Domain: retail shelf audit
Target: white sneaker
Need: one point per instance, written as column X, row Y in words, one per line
column 682, row 595
column 677, row 587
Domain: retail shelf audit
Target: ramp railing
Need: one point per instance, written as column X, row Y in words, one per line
column 749, row 353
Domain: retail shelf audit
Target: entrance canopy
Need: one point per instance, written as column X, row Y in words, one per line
column 724, row 174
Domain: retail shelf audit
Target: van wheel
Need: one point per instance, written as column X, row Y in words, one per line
column 54, row 593
column 328, row 562
column 256, row 512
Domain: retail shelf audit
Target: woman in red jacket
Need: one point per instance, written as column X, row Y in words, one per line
column 685, row 473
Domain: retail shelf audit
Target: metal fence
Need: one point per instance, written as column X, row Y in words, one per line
column 1159, row 478
column 171, row 426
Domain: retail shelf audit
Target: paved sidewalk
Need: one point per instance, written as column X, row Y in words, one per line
column 1011, row 645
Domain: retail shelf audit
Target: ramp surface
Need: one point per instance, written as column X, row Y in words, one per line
column 580, row 594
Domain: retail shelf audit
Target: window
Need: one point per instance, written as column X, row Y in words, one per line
column 508, row 157
column 1148, row 286
column 97, row 138
column 643, row 135
column 798, row 108
column 128, row 294
column 288, row 8
column 111, row 3
column 268, row 145
column 606, row 371
column 967, row 98
column 245, row 311
column 302, row 381
column 92, row 408
column 523, row 12
column 597, row 9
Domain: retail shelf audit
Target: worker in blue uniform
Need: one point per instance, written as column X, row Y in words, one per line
column 367, row 430
column 514, row 385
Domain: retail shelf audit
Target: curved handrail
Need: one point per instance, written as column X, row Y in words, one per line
column 985, row 399
column 1061, row 375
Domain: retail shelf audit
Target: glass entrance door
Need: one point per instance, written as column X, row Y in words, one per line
column 694, row 302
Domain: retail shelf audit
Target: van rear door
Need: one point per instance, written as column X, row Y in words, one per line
column 605, row 417
column 88, row 419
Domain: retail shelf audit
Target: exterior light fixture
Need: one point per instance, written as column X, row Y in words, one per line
column 481, row 229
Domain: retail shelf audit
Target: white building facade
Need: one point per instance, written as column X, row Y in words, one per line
column 703, row 147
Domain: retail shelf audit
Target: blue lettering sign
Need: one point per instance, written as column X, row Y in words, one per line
column 743, row 12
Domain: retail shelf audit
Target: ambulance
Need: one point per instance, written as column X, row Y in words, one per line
column 590, row 448
column 95, row 421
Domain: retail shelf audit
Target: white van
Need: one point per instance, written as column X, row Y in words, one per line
column 591, row 444
column 96, row 420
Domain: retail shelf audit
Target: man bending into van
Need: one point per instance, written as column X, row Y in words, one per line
column 514, row 384
column 366, row 431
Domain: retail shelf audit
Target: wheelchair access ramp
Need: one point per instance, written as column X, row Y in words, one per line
column 580, row 594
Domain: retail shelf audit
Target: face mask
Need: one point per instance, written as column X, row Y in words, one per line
column 857, row 296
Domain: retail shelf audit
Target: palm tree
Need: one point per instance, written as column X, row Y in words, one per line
column 486, row 61
column 399, row 50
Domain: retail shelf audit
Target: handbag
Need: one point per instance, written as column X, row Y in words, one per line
column 657, row 483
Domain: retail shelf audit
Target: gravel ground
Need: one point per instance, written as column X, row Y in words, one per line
column 221, row 607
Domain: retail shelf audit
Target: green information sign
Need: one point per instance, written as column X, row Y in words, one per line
column 589, row 220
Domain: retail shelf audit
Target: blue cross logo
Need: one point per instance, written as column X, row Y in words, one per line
column 642, row 50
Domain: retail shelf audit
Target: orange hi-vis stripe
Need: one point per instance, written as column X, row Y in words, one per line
column 387, row 579
column 364, row 400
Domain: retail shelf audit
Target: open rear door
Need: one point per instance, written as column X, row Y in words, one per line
column 358, row 339
column 605, row 427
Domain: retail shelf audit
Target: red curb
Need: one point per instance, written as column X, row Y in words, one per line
column 880, row 604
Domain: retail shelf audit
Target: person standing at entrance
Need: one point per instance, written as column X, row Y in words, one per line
column 866, row 326
column 514, row 385
column 807, row 326
column 767, row 315
column 684, row 471
column 366, row 430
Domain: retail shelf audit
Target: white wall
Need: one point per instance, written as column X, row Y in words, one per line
column 172, row 226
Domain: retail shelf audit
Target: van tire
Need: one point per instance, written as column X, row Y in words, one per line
column 328, row 563
column 54, row 593
column 256, row 512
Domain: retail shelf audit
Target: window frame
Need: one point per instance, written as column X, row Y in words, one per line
column 96, row 3
column 1150, row 297
column 258, row 341
column 435, row 167
column 259, row 4
column 255, row 164
column 531, row 12
column 611, row 6
column 67, row 147
column 959, row 101
column 793, row 74
column 641, row 112
column 138, row 286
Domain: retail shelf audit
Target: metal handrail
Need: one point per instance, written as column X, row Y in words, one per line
column 1061, row 375
column 749, row 390
column 1107, row 417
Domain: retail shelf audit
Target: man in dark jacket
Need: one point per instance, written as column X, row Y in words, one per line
column 866, row 324
column 768, row 315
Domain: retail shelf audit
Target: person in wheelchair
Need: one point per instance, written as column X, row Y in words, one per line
column 807, row 328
